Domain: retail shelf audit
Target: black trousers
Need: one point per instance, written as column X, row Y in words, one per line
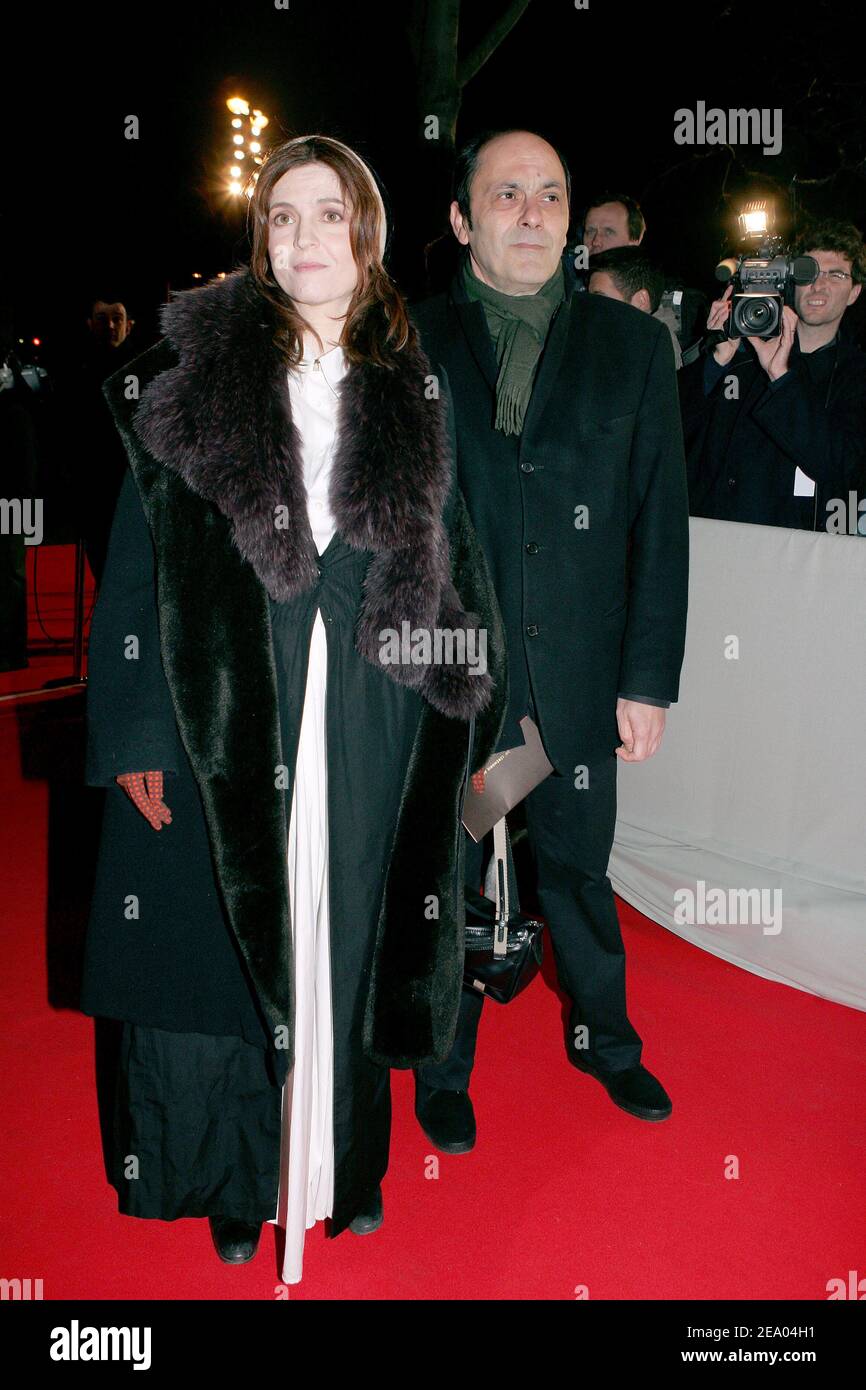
column 570, row 833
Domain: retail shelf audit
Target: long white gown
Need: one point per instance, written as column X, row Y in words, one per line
column 306, row 1190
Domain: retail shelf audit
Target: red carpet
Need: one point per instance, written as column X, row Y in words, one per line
column 562, row 1191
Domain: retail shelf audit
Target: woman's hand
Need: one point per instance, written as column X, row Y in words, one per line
column 144, row 789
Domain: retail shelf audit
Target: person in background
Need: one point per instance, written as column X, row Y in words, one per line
column 97, row 459
column 611, row 220
column 626, row 273
column 18, row 480
column 775, row 428
column 614, row 220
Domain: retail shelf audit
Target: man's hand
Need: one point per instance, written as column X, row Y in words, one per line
column 144, row 789
column 773, row 353
column 720, row 311
column 640, row 728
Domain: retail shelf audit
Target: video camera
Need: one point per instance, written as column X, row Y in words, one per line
column 764, row 278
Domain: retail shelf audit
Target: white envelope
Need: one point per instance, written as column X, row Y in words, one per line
column 803, row 485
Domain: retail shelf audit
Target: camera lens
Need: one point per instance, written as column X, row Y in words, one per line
column 757, row 316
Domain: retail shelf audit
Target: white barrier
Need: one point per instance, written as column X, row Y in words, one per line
column 753, row 812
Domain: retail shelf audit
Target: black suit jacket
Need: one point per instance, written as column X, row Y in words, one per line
column 594, row 602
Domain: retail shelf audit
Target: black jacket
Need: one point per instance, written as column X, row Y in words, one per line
column 746, row 438
column 590, row 611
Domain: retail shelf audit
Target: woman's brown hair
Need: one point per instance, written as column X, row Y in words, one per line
column 377, row 325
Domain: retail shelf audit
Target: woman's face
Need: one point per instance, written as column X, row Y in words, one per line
column 308, row 238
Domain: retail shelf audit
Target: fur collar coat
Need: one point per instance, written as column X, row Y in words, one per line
column 206, row 420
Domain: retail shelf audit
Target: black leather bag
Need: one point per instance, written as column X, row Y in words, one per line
column 503, row 948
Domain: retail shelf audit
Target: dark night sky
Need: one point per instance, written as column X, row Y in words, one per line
column 92, row 209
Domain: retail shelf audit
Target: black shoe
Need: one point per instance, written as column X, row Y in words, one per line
column 235, row 1241
column 635, row 1090
column 447, row 1118
column 370, row 1217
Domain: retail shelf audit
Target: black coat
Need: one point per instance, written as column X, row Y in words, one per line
column 195, row 568
column 744, row 443
column 589, row 612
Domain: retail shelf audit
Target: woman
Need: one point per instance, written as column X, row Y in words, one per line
column 294, row 926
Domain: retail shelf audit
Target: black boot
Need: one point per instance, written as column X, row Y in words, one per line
column 236, row 1241
column 370, row 1217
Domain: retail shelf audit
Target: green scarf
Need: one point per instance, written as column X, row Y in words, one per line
column 518, row 325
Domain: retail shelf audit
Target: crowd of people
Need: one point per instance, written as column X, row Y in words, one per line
column 775, row 428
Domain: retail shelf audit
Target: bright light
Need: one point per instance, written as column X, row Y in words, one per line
column 196, row 275
column 755, row 221
column 37, row 342
column 756, row 218
column 244, row 140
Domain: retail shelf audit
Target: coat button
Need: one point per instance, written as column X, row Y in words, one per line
column 527, row 467
column 532, row 630
column 531, row 548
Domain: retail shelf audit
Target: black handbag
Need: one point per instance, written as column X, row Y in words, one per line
column 503, row 948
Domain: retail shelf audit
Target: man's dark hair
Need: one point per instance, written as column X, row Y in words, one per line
column 841, row 237
column 631, row 270
column 99, row 298
column 635, row 220
column 467, row 162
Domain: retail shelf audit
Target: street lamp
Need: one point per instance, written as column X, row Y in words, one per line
column 246, row 126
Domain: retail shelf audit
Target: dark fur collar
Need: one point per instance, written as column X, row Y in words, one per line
column 222, row 420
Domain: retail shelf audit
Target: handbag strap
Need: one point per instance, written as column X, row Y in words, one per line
column 501, row 868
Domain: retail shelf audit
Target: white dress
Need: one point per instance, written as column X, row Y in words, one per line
column 306, row 1189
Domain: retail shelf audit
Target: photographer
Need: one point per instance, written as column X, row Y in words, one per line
column 775, row 428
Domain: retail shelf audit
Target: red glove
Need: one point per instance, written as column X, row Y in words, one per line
column 144, row 789
column 478, row 781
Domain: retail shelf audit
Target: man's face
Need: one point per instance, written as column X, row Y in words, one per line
column 825, row 301
column 602, row 282
column 308, row 238
column 519, row 213
column 607, row 227
column 109, row 324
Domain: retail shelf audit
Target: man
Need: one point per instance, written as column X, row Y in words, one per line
column 626, row 273
column 614, row 220
column 611, row 220
column 570, row 459
column 109, row 324
column 99, row 462
column 776, row 430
